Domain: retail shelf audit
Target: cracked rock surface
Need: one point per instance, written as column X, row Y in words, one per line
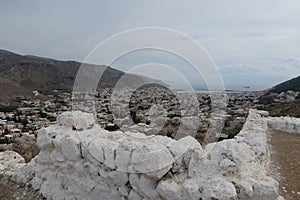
column 92, row 163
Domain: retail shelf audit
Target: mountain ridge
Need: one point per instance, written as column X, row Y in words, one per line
column 22, row 74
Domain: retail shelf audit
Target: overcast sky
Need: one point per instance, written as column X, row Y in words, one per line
column 254, row 43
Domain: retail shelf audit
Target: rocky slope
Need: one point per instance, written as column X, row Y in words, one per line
column 20, row 75
column 24, row 145
column 10, row 162
column 293, row 84
column 284, row 109
column 96, row 164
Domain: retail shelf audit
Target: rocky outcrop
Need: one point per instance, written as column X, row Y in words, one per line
column 286, row 124
column 10, row 162
column 91, row 163
column 24, row 145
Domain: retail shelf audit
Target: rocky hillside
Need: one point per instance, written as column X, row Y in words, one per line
column 282, row 99
column 284, row 109
column 293, row 84
column 20, row 75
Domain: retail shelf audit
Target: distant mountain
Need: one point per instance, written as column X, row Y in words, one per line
column 277, row 109
column 293, row 84
column 9, row 89
column 20, row 75
column 268, row 96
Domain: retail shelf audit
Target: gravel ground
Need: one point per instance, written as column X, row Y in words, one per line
column 12, row 191
column 285, row 162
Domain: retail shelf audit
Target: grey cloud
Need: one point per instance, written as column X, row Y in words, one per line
column 293, row 61
column 240, row 68
column 258, row 32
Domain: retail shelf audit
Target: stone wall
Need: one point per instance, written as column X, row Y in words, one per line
column 287, row 124
column 91, row 163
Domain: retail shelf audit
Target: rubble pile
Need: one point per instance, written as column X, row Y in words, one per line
column 96, row 164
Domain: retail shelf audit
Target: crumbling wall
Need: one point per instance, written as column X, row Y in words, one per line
column 91, row 163
column 287, row 124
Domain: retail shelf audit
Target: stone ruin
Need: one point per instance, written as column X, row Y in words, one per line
column 80, row 160
column 287, row 124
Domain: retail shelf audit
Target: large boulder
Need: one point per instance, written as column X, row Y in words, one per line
column 10, row 162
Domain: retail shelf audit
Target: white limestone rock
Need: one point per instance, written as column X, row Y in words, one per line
column 154, row 160
column 44, row 139
column 171, row 190
column 185, row 150
column 244, row 189
column 10, row 161
column 70, row 148
column 122, row 160
column 76, row 119
column 265, row 188
column 133, row 195
column 119, row 178
column 65, row 119
column 24, row 174
column 218, row 188
column 36, row 183
column 97, row 164
column 287, row 124
column 44, row 157
column 109, row 155
column 180, row 147
column 57, row 156
column 262, row 113
column 144, row 185
column 193, row 188
column 124, row 190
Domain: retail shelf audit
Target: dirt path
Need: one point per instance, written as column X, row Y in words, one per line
column 285, row 162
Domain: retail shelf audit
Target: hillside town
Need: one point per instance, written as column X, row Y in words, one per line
column 151, row 109
column 143, row 104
